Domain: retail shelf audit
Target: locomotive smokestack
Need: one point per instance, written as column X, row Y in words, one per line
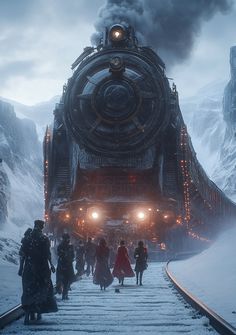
column 169, row 26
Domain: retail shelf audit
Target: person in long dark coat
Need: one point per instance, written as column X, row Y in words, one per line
column 90, row 251
column 140, row 255
column 122, row 267
column 65, row 271
column 37, row 294
column 27, row 235
column 102, row 274
column 80, row 260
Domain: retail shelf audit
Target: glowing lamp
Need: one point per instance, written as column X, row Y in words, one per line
column 141, row 215
column 117, row 33
column 94, row 215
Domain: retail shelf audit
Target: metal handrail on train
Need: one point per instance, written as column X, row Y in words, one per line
column 217, row 322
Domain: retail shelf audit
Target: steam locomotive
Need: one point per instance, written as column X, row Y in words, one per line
column 118, row 159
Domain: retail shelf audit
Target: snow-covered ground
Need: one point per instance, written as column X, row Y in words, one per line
column 211, row 275
column 10, row 286
column 154, row 308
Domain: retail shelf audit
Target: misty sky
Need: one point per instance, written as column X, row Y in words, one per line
column 40, row 39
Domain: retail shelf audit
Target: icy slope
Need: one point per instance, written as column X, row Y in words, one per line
column 211, row 275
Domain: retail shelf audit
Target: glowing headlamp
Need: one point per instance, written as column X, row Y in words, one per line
column 117, row 33
column 95, row 215
column 141, row 215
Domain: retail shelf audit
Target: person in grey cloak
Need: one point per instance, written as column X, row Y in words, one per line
column 90, row 252
column 37, row 294
column 65, row 271
column 102, row 274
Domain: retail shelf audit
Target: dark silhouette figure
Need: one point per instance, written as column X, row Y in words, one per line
column 80, row 260
column 102, row 274
column 112, row 256
column 122, row 266
column 27, row 235
column 140, row 255
column 35, row 256
column 90, row 252
column 65, row 271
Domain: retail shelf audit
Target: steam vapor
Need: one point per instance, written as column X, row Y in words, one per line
column 169, row 26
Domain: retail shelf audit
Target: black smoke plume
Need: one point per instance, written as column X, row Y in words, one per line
column 168, row 26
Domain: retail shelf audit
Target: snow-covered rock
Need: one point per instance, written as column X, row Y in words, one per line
column 41, row 113
column 206, row 126
column 225, row 172
column 20, row 169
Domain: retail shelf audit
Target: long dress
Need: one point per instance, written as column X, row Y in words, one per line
column 122, row 267
column 102, row 274
column 37, row 294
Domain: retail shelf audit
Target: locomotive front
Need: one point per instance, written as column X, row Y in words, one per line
column 116, row 103
column 106, row 140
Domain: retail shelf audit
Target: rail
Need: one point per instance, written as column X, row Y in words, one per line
column 10, row 316
column 13, row 314
column 217, row 322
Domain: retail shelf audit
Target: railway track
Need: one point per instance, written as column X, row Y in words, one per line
column 217, row 322
column 155, row 307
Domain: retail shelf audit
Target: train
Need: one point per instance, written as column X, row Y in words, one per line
column 118, row 159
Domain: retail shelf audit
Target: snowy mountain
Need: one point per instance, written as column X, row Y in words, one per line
column 41, row 113
column 206, row 126
column 211, row 120
column 20, row 170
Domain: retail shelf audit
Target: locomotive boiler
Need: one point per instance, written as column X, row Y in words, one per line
column 118, row 159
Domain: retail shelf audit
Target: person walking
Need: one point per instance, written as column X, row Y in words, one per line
column 102, row 274
column 80, row 260
column 27, row 235
column 140, row 255
column 35, row 256
column 65, row 271
column 90, row 251
column 122, row 267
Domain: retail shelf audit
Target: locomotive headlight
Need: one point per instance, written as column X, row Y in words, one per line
column 94, row 215
column 117, row 33
column 141, row 215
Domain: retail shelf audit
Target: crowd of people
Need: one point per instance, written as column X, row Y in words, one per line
column 90, row 258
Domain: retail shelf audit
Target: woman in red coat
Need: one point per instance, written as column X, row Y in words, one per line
column 122, row 267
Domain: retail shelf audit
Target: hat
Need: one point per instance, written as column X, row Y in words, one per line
column 140, row 244
column 28, row 232
column 39, row 224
